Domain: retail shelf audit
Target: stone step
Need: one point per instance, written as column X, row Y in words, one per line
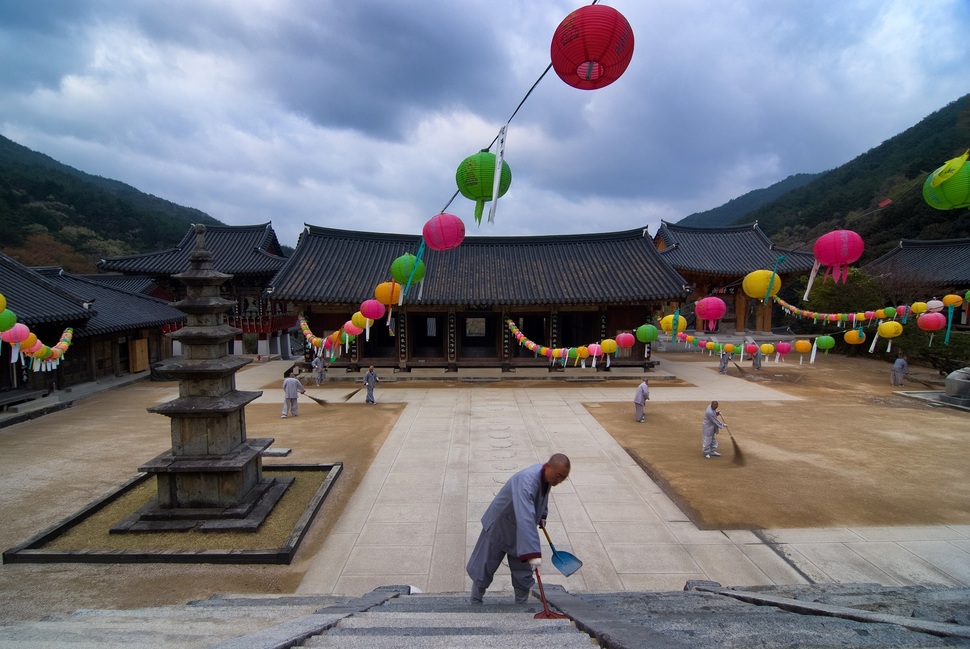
column 506, row 641
column 163, row 626
column 453, row 622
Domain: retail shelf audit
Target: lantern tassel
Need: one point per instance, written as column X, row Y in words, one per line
column 814, row 351
column 949, row 321
column 479, row 208
column 811, row 279
column 872, row 347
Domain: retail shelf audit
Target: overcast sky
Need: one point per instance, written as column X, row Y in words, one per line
column 356, row 114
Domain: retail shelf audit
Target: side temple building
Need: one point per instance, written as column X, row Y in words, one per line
column 251, row 254
column 714, row 261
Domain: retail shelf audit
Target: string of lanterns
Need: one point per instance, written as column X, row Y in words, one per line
column 24, row 344
column 645, row 333
column 591, row 48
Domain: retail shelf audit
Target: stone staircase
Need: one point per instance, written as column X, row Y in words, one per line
column 705, row 615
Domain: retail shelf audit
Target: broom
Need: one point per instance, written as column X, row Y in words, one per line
column 738, row 455
column 322, row 402
column 351, row 395
column 739, row 368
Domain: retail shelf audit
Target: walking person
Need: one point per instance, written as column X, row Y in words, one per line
column 370, row 380
column 756, row 359
column 641, row 396
column 292, row 388
column 712, row 424
column 723, row 366
column 899, row 371
column 319, row 370
column 510, row 528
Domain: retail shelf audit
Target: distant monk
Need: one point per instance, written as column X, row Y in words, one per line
column 710, row 428
column 641, row 396
column 900, row 369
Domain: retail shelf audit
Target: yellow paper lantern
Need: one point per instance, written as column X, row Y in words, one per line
column 860, row 316
column 890, row 329
column 767, row 349
column 952, row 300
column 709, row 345
column 360, row 321
column 803, row 346
column 667, row 323
column 755, row 284
column 3, row 302
column 387, row 293
column 918, row 307
column 609, row 346
column 854, row 337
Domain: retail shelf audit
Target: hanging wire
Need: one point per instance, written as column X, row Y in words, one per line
column 509, row 120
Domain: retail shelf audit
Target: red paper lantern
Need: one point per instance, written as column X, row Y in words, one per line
column 931, row 321
column 592, row 47
column 443, row 232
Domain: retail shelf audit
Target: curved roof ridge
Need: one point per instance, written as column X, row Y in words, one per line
column 635, row 233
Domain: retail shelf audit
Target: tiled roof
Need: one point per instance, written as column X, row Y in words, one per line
column 341, row 266
column 116, row 309
column 132, row 283
column 735, row 250
column 943, row 262
column 236, row 250
column 36, row 300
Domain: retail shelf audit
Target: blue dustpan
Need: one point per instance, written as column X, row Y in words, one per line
column 565, row 562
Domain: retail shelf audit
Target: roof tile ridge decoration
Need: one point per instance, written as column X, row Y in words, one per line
column 141, row 255
column 30, row 274
column 721, row 229
column 621, row 235
column 116, row 289
column 933, row 243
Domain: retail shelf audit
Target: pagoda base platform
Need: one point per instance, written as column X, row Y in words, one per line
column 247, row 516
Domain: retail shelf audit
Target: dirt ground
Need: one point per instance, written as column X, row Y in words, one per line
column 46, row 475
column 851, row 453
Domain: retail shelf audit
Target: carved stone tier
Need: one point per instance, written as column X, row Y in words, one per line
column 217, row 480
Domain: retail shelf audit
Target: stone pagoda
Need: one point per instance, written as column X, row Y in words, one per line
column 211, row 479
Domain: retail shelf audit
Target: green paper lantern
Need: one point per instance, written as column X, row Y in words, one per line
column 647, row 333
column 402, row 266
column 954, row 191
column 825, row 342
column 475, row 177
column 7, row 319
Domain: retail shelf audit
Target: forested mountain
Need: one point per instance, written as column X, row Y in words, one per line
column 53, row 214
column 737, row 208
column 854, row 196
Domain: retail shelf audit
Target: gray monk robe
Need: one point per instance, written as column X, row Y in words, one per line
column 510, row 527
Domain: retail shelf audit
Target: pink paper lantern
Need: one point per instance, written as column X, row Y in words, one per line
column 372, row 309
column 625, row 340
column 837, row 250
column 352, row 329
column 783, row 348
column 595, row 349
column 15, row 334
column 443, row 232
column 710, row 309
